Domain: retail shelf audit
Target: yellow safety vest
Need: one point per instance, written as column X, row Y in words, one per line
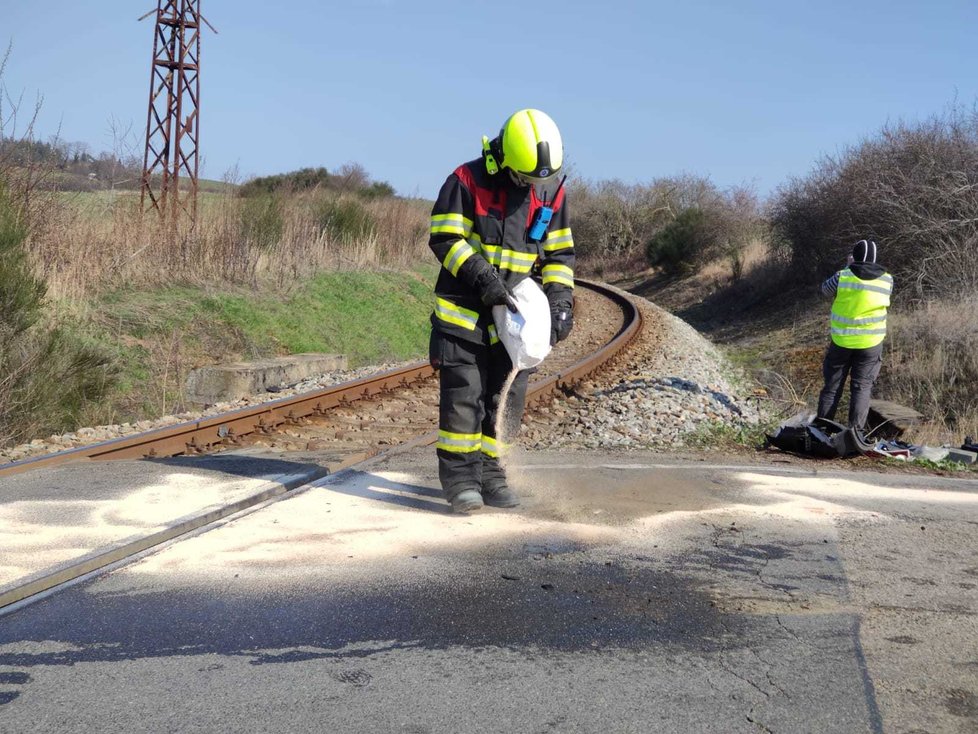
column 859, row 310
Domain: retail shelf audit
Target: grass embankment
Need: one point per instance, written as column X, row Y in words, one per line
column 117, row 306
column 155, row 337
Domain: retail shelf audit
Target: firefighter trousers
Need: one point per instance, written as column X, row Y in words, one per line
column 471, row 380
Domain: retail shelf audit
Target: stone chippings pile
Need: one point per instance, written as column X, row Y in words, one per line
column 671, row 384
column 88, row 436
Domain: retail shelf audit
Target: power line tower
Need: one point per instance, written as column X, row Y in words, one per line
column 173, row 120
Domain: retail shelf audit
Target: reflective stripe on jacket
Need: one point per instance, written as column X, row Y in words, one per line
column 859, row 310
column 478, row 215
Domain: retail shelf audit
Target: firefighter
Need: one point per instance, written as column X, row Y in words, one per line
column 483, row 235
column 861, row 293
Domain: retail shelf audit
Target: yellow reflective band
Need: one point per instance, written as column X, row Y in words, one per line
column 859, row 322
column 493, row 448
column 562, row 274
column 458, row 254
column 452, row 314
column 473, row 438
column 857, row 332
column 514, row 255
column 883, row 284
column 493, row 336
column 560, row 239
column 451, row 216
column 512, row 260
column 885, row 288
column 476, row 241
column 459, row 443
column 451, row 224
column 491, row 253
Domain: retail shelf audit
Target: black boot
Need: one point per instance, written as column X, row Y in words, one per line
column 495, row 490
column 466, row 501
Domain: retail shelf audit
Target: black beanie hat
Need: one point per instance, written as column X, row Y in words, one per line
column 864, row 251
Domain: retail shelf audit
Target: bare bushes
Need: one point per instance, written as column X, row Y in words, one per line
column 678, row 223
column 712, row 225
column 911, row 188
column 612, row 220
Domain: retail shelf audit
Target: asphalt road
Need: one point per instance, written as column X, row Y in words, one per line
column 625, row 595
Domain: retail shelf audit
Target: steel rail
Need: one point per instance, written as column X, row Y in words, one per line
column 223, row 430
column 205, row 434
column 544, row 388
column 27, row 590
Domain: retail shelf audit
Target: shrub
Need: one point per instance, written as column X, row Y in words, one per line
column 344, row 219
column 612, row 220
column 301, row 180
column 377, row 190
column 615, row 221
column 261, row 221
column 682, row 243
column 913, row 188
column 350, row 178
column 47, row 375
column 21, row 294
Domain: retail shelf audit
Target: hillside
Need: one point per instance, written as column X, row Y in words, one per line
column 779, row 337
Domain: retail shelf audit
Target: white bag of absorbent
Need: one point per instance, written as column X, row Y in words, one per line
column 526, row 333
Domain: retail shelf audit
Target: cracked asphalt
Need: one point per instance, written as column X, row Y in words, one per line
column 628, row 593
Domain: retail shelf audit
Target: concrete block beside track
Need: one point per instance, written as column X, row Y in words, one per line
column 225, row 382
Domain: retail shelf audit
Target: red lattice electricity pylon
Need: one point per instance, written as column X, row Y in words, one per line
column 173, row 120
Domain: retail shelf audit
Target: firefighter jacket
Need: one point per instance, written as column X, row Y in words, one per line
column 488, row 217
column 862, row 296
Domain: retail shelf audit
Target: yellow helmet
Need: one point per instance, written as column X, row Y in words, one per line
column 529, row 144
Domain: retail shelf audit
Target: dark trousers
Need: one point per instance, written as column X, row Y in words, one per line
column 471, row 379
column 863, row 365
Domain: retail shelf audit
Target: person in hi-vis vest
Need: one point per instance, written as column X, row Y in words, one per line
column 861, row 295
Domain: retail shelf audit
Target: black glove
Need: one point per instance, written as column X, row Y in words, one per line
column 561, row 321
column 495, row 293
column 484, row 280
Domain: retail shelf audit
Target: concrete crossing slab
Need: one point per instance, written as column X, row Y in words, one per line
column 60, row 522
column 627, row 593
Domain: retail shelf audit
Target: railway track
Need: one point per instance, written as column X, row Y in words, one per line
column 340, row 427
column 353, row 421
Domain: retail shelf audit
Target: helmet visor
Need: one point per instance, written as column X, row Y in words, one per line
column 525, row 179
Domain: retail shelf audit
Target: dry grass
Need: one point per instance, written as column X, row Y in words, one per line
column 938, row 433
column 86, row 244
column 726, row 270
column 933, row 365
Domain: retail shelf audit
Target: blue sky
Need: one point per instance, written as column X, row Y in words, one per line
column 745, row 92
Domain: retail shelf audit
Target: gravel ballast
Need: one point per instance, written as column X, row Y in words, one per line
column 97, row 434
column 670, row 384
